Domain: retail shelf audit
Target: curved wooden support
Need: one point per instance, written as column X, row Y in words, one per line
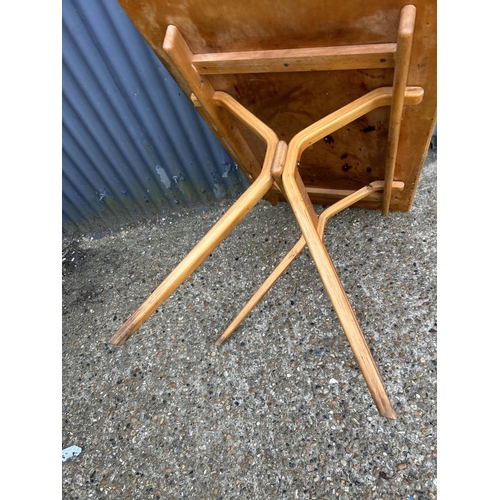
column 293, row 187
column 310, row 135
column 352, row 111
column 218, row 232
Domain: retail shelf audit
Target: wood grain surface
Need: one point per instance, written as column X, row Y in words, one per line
column 288, row 102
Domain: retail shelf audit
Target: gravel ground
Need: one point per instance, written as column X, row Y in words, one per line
column 280, row 411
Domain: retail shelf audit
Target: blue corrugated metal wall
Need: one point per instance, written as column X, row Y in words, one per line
column 132, row 143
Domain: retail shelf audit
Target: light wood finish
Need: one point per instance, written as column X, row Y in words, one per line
column 218, row 232
column 329, row 212
column 279, row 164
column 308, row 223
column 292, row 60
column 339, row 194
column 312, row 232
column 319, row 253
column 352, row 111
column 288, row 102
column 223, row 124
column 404, row 43
column 261, row 76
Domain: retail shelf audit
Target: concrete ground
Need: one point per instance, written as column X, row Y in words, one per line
column 278, row 412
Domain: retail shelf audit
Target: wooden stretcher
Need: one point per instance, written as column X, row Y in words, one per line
column 330, row 103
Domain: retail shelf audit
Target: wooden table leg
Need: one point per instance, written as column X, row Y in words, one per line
column 222, row 228
column 194, row 258
column 264, row 288
column 338, row 297
column 297, row 249
column 298, row 199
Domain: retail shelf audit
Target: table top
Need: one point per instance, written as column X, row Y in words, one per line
column 289, row 101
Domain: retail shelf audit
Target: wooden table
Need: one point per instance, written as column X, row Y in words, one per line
column 330, row 103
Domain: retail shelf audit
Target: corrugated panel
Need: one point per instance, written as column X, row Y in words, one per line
column 133, row 144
